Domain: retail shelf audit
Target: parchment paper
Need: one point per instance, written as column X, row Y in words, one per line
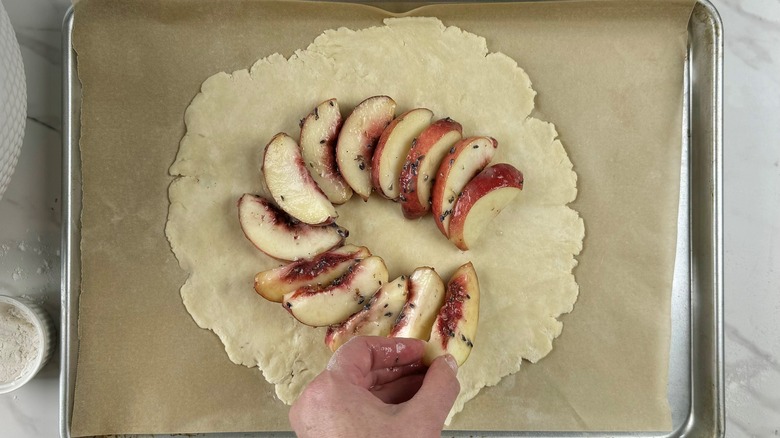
column 608, row 74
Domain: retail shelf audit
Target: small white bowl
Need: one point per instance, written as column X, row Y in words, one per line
column 44, row 327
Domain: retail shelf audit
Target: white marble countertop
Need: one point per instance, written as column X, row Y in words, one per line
column 30, row 212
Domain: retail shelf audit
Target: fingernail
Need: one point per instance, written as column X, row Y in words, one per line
column 451, row 362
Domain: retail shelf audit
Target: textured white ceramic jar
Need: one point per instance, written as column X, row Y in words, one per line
column 13, row 100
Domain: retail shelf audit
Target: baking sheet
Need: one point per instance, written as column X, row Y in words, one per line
column 557, row 108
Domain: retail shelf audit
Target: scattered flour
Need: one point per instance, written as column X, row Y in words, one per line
column 45, row 267
column 32, row 260
column 18, row 343
column 18, row 274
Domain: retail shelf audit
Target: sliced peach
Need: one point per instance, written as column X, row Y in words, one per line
column 425, row 297
column 322, row 306
column 421, row 164
column 281, row 236
column 392, row 149
column 319, row 270
column 375, row 319
column 358, row 138
column 481, row 200
column 455, row 327
column 291, row 185
column 463, row 161
column 319, row 133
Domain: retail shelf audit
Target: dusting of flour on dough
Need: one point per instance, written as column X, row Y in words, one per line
column 524, row 258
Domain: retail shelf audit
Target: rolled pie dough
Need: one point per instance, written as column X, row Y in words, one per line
column 524, row 258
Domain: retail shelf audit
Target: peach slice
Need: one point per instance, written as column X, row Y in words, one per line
column 319, row 132
column 334, row 303
column 422, row 162
column 281, row 236
column 392, row 149
column 425, row 297
column 481, row 200
column 358, row 138
column 273, row 284
column 463, row 161
column 375, row 319
column 455, row 327
column 291, row 185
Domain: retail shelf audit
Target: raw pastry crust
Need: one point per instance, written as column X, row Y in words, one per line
column 524, row 259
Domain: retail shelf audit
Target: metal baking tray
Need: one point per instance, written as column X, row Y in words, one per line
column 696, row 380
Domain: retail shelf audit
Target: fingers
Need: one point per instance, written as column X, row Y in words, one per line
column 399, row 391
column 386, row 375
column 377, row 352
column 438, row 392
column 369, row 360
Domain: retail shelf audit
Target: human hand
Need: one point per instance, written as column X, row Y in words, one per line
column 377, row 387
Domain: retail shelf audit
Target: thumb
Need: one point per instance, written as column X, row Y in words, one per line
column 439, row 390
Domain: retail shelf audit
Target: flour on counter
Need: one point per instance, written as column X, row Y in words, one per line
column 19, row 342
column 30, row 261
column 18, row 274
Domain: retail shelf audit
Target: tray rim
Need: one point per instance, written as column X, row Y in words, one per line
column 707, row 392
